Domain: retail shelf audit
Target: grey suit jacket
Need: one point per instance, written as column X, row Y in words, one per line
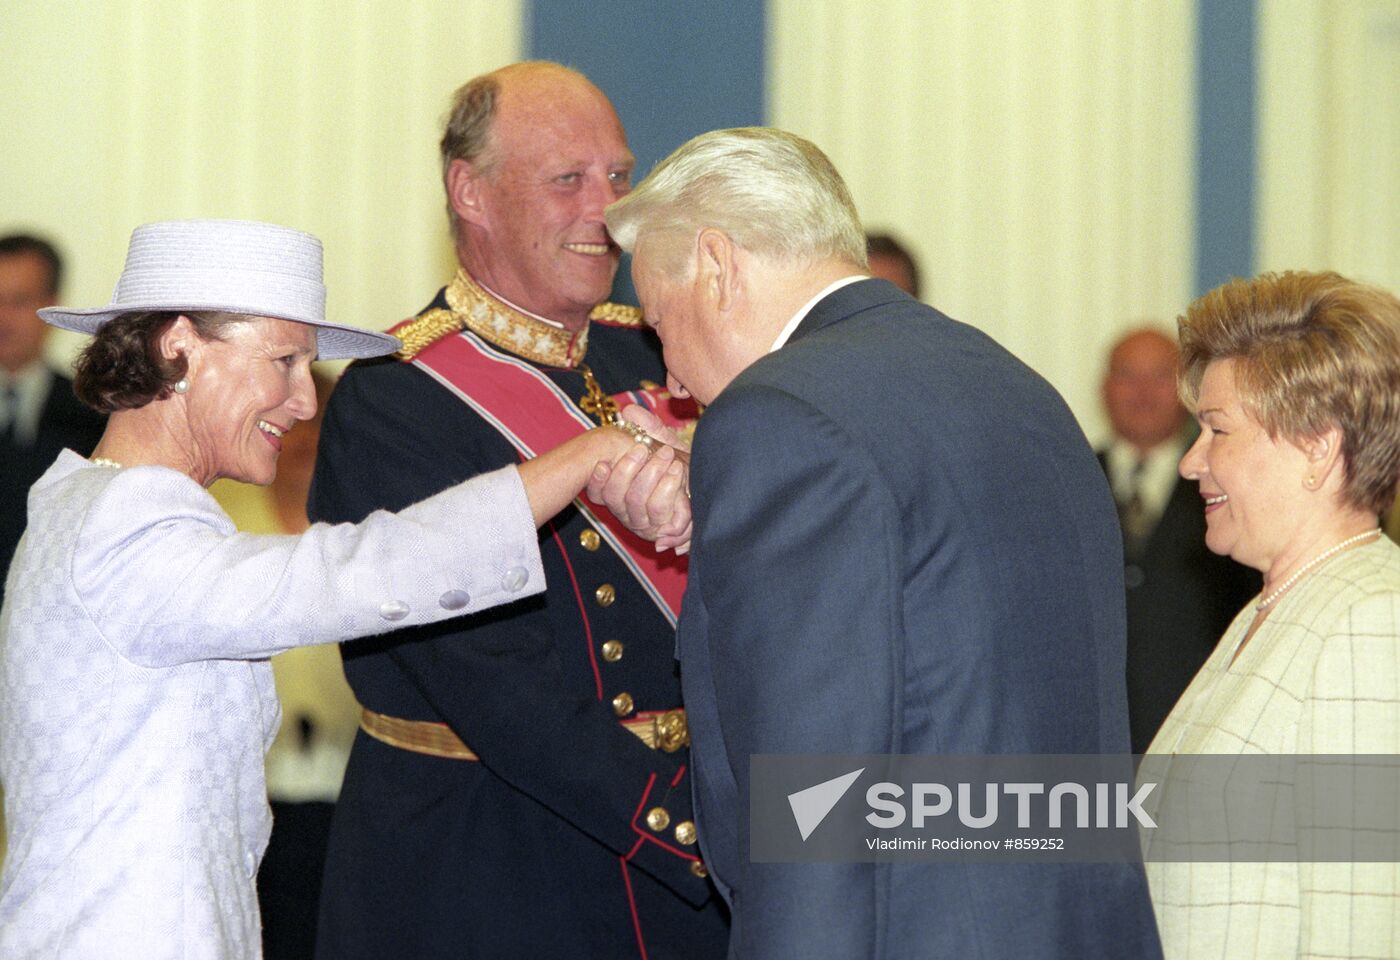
column 903, row 544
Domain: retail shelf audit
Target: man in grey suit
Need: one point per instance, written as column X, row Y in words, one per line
column 39, row 416
column 902, row 544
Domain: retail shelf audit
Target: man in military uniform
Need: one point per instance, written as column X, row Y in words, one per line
column 519, row 785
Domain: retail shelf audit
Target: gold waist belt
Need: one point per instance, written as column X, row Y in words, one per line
column 660, row 730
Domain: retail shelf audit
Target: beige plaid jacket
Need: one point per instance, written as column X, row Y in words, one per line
column 1321, row 676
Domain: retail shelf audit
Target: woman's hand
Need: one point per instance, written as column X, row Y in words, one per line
column 645, row 483
column 648, row 487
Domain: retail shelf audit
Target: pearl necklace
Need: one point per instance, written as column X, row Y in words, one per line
column 1263, row 605
column 104, row 462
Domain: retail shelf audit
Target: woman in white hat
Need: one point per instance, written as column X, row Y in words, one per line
column 136, row 699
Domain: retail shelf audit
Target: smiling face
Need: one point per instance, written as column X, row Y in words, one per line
column 1252, row 484
column 533, row 208
column 246, row 390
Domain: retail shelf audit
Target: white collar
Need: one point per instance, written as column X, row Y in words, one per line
column 787, row 331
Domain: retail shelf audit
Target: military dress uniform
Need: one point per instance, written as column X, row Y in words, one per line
column 519, row 786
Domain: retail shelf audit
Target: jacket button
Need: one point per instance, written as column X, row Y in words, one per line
column 590, row 540
column 454, row 600
column 606, row 594
column 685, row 833
column 698, row 868
column 622, row 704
column 612, row 651
column 393, row 609
column 515, row 579
column 658, row 819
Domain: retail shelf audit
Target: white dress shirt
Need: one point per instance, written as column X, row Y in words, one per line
column 791, row 326
column 31, row 386
column 1158, row 477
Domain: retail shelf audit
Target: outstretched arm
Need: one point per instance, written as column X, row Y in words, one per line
column 554, row 478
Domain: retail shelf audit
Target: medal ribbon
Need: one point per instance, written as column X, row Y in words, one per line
column 534, row 414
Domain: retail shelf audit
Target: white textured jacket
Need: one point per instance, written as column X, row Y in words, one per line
column 136, row 700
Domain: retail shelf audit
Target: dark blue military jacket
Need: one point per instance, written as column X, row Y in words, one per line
column 543, row 848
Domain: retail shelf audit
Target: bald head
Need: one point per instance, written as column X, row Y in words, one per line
column 1139, row 389
column 532, row 154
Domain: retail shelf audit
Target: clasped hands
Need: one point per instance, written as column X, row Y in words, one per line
column 648, row 487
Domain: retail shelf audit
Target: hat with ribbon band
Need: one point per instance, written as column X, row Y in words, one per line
column 230, row 266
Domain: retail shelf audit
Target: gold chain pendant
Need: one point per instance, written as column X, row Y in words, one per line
column 595, row 402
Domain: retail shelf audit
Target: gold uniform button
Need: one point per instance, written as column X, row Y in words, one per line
column 658, row 819
column 612, row 651
column 606, row 594
column 590, row 540
column 685, row 833
column 698, row 868
column 622, row 704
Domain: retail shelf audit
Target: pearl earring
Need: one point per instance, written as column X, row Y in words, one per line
column 181, row 386
column 1311, row 482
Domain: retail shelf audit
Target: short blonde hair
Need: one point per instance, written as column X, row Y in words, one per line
column 773, row 193
column 1311, row 351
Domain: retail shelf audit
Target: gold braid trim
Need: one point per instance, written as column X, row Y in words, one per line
column 618, row 314
column 423, row 331
column 470, row 307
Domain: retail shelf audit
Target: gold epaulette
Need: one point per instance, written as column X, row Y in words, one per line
column 618, row 315
column 424, row 330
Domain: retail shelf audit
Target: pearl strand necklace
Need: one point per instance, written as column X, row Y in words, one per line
column 104, row 462
column 1263, row 605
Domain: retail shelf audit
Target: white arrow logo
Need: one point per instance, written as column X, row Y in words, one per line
column 810, row 806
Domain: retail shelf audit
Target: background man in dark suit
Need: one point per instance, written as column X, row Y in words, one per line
column 1180, row 596
column 519, row 787
column 888, row 259
column 39, row 416
column 902, row 544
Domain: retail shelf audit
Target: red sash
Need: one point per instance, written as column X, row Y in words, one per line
column 534, row 414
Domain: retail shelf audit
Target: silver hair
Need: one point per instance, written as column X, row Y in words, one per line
column 773, row 193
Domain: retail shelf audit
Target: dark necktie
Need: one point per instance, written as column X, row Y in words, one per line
column 9, row 409
column 1132, row 513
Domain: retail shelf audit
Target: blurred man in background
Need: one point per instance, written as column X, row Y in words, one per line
column 39, row 416
column 891, row 260
column 1180, row 596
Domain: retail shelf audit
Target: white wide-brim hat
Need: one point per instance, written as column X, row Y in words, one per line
column 231, row 266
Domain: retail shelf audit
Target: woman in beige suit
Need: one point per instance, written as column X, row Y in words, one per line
column 1295, row 379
